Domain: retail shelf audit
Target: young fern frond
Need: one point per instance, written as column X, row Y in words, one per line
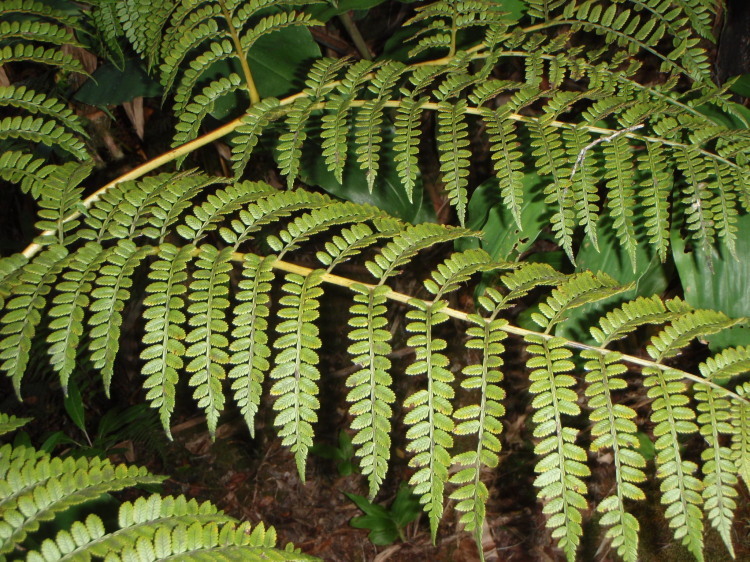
column 59, row 196
column 254, row 121
column 454, row 157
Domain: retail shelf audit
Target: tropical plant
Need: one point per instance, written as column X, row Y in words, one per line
column 36, row 488
column 598, row 145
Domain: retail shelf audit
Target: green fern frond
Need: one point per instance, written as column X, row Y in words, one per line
column 109, row 29
column 44, row 131
column 208, row 293
column 164, row 333
column 725, row 208
column 190, row 120
column 109, row 298
column 334, row 125
column 254, row 121
column 562, row 467
column 219, row 205
column 9, row 424
column 627, row 318
column 22, row 312
column 267, row 210
column 697, row 204
column 406, row 142
column 482, row 419
column 370, row 118
column 719, row 470
column 370, row 395
column 741, row 435
column 353, row 240
column 430, row 417
column 552, row 164
column 183, row 93
column 620, row 193
column 41, row 31
column 68, row 307
column 295, row 371
column 24, row 169
column 542, row 9
column 249, row 346
column 189, row 40
column 584, row 178
column 290, row 143
column 506, row 157
column 34, row 492
column 275, row 22
column 656, row 188
column 39, row 54
column 142, row 22
column 577, row 290
column 452, row 141
column 40, row 10
column 59, row 196
column 36, row 103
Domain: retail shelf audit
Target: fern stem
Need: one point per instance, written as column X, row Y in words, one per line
column 250, row 83
column 515, row 330
column 353, row 31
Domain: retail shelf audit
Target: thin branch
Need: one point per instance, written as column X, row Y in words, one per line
column 249, row 81
column 353, row 31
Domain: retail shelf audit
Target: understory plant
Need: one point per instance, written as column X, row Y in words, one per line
column 601, row 132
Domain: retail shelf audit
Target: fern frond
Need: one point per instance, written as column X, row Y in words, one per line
column 44, row 131
column 542, row 9
column 35, row 30
column 725, row 207
column 208, row 293
column 219, row 205
column 41, row 55
column 24, row 169
column 620, row 193
column 369, row 120
column 454, row 157
column 34, row 492
column 681, row 490
column 164, row 333
column 36, row 103
column 68, row 308
column 614, row 428
column 295, row 370
column 9, row 424
column 482, row 419
column 627, row 318
column 406, row 142
column 189, row 40
column 353, row 240
column 577, row 290
column 183, row 93
column 108, row 26
column 290, row 143
column 370, row 395
column 506, row 157
column 254, row 121
column 320, row 220
column 741, row 436
column 59, row 196
column 142, row 518
column 275, row 22
column 268, row 210
column 719, row 469
column 40, row 10
column 143, row 23
column 562, row 466
column 22, row 312
column 552, row 164
column 109, row 297
column 430, row 417
column 190, row 120
column 656, row 188
column 584, row 181
column 697, row 203
column 249, row 346
column 334, row 125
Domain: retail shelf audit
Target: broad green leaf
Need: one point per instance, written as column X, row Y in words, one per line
column 725, row 288
column 111, row 86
